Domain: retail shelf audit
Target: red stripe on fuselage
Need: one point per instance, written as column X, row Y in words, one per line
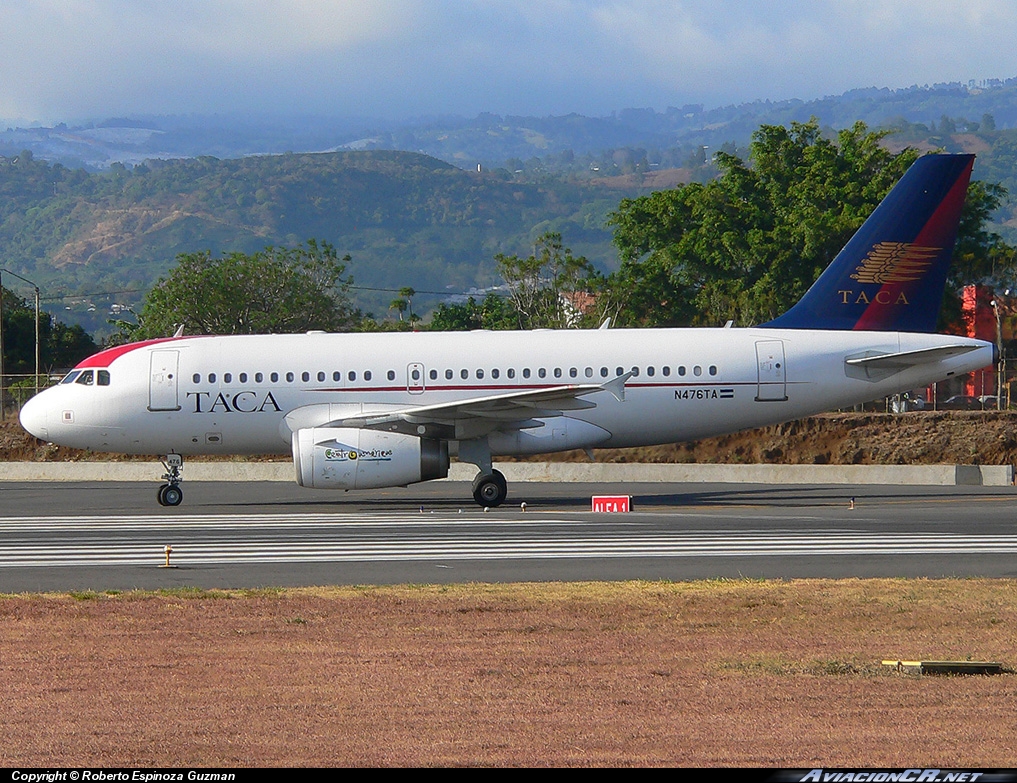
column 110, row 355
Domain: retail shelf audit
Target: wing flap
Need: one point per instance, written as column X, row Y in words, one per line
column 481, row 415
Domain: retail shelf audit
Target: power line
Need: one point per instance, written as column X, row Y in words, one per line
column 99, row 294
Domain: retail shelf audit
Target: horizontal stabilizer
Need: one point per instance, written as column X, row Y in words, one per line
column 904, row 359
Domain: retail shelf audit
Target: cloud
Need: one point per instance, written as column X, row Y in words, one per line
column 69, row 59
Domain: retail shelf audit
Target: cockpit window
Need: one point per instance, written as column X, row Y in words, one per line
column 69, row 378
column 102, row 377
column 87, row 378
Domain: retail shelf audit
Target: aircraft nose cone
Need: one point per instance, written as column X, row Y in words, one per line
column 33, row 418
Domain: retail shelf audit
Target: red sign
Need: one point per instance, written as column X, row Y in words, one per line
column 612, row 503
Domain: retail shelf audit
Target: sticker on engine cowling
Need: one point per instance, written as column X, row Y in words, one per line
column 349, row 455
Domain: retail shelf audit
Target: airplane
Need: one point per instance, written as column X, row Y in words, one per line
column 361, row 411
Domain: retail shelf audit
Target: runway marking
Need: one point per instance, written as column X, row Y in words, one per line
column 399, row 536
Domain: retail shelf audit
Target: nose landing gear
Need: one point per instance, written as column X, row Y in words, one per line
column 170, row 493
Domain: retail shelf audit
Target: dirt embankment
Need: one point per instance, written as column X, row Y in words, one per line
column 919, row 438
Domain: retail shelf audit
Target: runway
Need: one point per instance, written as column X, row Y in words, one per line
column 112, row 537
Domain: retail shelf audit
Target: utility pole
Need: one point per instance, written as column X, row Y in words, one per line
column 37, row 344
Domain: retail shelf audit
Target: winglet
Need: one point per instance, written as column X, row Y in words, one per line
column 892, row 273
column 617, row 386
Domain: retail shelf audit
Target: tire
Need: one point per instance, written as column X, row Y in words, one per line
column 490, row 490
column 171, row 495
column 159, row 494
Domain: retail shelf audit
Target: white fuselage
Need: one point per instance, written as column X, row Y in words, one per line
column 231, row 395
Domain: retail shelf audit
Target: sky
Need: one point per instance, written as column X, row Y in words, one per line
column 72, row 60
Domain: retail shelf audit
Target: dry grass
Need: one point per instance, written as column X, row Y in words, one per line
column 918, row 438
column 736, row 673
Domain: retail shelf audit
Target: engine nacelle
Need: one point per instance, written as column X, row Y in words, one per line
column 350, row 458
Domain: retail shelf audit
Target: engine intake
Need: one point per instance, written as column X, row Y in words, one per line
column 350, row 458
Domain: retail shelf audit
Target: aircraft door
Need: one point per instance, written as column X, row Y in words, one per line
column 415, row 378
column 162, row 389
column 772, row 375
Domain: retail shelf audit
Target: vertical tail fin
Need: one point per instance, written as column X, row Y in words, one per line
column 891, row 275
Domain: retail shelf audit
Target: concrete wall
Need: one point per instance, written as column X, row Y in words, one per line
column 940, row 475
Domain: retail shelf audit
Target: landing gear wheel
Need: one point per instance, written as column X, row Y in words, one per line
column 490, row 489
column 171, row 495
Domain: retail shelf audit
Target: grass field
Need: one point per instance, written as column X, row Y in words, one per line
column 733, row 673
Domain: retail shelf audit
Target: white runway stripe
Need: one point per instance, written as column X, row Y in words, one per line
column 238, row 539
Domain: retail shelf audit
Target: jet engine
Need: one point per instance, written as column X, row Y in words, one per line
column 350, row 458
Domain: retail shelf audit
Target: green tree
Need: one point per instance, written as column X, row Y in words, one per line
column 544, row 286
column 60, row 345
column 281, row 290
column 748, row 244
column 403, row 303
column 493, row 312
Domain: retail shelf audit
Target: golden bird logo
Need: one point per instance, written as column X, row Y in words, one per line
column 895, row 262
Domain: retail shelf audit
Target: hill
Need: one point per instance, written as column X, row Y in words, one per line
column 407, row 219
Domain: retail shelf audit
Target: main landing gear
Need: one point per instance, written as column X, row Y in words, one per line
column 490, row 489
column 170, row 493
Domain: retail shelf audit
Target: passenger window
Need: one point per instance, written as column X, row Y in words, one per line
column 211, row 377
column 448, row 375
column 650, row 370
column 367, row 375
column 351, row 376
column 557, row 372
column 321, row 376
column 415, row 375
column 243, row 377
column 290, row 377
column 337, row 376
column 464, row 374
column 589, row 372
column 681, row 370
column 102, row 377
column 713, row 369
column 542, row 373
column 495, row 373
column 391, row 375
column 511, row 372
column 432, row 374
column 697, row 370
column 227, row 377
column 619, row 370
column 480, row 375
column 603, row 372
column 275, row 377
column 196, row 378
column 305, row 376
column 665, row 370
column 635, row 372
column 573, row 372
column 258, row 377
column 526, row 372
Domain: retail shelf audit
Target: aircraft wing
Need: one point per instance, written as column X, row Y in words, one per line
column 472, row 418
column 904, row 359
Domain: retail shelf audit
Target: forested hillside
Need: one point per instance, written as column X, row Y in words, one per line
column 405, row 218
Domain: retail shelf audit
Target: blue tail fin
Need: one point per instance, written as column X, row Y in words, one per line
column 891, row 275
